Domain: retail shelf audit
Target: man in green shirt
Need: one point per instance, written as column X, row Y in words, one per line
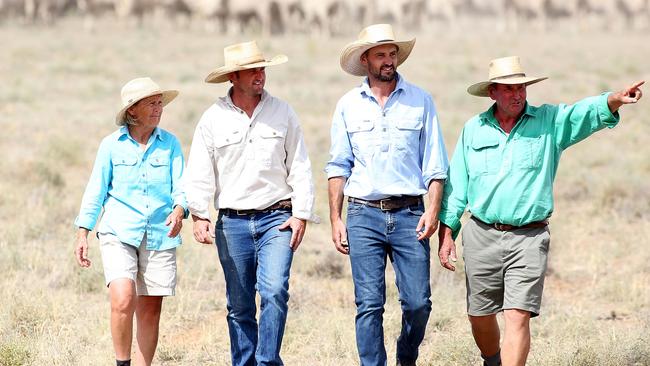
column 503, row 171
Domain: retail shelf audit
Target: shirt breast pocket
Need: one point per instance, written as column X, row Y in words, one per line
column 226, row 140
column 530, row 151
column 483, row 156
column 159, row 170
column 270, row 145
column 408, row 134
column 361, row 136
column 124, row 168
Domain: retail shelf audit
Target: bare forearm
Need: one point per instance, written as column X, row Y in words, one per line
column 335, row 192
column 435, row 195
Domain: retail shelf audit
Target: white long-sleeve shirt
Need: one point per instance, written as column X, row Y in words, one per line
column 249, row 163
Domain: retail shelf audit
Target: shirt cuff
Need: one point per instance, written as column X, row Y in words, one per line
column 434, row 176
column 202, row 214
column 85, row 223
column 336, row 171
column 608, row 118
column 306, row 215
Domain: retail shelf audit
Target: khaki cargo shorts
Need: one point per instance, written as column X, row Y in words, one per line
column 504, row 269
column 153, row 271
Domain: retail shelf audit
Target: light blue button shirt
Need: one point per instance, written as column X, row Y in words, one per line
column 137, row 189
column 392, row 151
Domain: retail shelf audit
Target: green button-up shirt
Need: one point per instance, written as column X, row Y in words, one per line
column 508, row 178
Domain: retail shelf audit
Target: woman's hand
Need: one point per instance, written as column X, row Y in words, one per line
column 81, row 249
column 175, row 221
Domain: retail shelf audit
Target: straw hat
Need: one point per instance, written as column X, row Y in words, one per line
column 242, row 56
column 505, row 70
column 138, row 89
column 372, row 36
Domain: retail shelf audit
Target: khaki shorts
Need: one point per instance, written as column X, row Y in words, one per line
column 504, row 269
column 153, row 271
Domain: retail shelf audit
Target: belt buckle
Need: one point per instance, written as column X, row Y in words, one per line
column 381, row 205
column 241, row 212
column 499, row 226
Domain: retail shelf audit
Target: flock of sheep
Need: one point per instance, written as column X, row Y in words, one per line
column 329, row 17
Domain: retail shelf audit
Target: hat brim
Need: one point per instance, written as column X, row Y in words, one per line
column 220, row 74
column 167, row 97
column 351, row 54
column 481, row 89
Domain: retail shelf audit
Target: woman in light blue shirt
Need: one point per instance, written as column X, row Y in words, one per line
column 136, row 180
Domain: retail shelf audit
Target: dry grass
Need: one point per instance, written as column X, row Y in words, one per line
column 60, row 90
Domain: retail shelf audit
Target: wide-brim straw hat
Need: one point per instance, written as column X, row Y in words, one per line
column 505, row 70
column 372, row 36
column 138, row 89
column 242, row 56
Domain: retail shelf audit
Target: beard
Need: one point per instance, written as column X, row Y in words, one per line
column 386, row 76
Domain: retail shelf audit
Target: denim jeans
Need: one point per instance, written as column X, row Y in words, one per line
column 374, row 236
column 255, row 255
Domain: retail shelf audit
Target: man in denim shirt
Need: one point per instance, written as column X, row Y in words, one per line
column 503, row 171
column 387, row 151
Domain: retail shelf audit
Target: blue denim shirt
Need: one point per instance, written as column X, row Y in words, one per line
column 137, row 189
column 392, row 151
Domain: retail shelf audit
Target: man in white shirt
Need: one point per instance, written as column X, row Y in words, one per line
column 248, row 154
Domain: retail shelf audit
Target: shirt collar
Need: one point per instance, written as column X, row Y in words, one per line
column 124, row 133
column 488, row 116
column 228, row 99
column 365, row 85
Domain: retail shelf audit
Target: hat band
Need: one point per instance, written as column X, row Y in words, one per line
column 246, row 61
column 519, row 75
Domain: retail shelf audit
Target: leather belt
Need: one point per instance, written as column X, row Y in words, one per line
column 390, row 203
column 508, row 227
column 280, row 205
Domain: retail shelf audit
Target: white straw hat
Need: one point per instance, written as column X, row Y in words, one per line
column 242, row 56
column 505, row 70
column 138, row 89
column 372, row 36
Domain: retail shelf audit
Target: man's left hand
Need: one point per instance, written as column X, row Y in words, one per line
column 427, row 225
column 297, row 227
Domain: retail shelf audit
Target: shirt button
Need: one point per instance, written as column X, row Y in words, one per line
column 273, row 133
column 122, row 161
column 251, row 140
column 384, row 129
column 227, row 140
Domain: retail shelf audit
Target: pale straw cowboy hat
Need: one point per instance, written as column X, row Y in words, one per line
column 505, row 70
column 372, row 36
column 138, row 89
column 242, row 56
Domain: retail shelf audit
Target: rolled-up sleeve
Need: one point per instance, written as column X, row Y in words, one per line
column 341, row 157
column 299, row 175
column 432, row 147
column 177, row 166
column 96, row 189
column 199, row 177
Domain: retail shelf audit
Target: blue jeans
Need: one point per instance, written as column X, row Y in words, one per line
column 255, row 255
column 373, row 236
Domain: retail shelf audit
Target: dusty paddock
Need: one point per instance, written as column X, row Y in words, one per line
column 59, row 94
